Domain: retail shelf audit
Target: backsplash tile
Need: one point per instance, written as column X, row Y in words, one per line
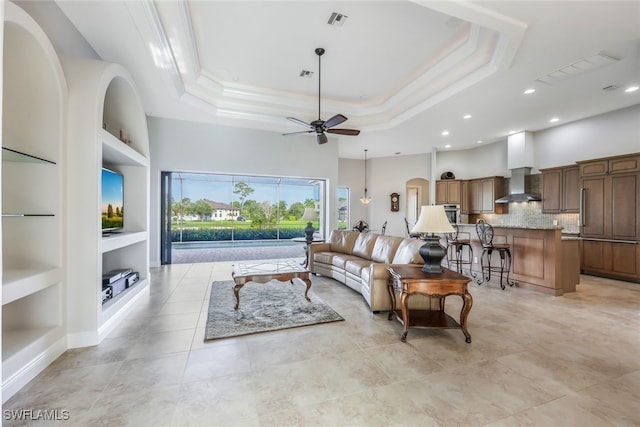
column 529, row 214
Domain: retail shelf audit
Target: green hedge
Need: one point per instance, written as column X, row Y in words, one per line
column 217, row 235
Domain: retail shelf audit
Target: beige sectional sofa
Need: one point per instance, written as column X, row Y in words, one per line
column 360, row 260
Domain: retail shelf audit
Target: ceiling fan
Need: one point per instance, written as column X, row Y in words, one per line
column 320, row 126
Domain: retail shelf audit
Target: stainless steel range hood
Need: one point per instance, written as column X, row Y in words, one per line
column 517, row 191
column 519, row 160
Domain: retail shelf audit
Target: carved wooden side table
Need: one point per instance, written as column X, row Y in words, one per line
column 410, row 281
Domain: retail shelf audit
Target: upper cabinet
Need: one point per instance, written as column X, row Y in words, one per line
column 561, row 190
column 613, row 165
column 483, row 193
column 464, row 197
column 448, row 191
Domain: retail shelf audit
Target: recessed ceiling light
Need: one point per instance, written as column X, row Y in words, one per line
column 445, row 132
column 511, row 132
column 447, row 146
column 479, row 141
column 529, row 91
column 553, row 120
column 467, row 116
column 631, row 89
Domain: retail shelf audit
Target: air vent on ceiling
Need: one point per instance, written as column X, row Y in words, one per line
column 579, row 67
column 337, row 19
column 306, row 73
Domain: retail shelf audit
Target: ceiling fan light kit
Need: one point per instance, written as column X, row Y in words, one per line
column 320, row 127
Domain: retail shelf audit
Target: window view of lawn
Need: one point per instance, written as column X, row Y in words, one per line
column 211, row 207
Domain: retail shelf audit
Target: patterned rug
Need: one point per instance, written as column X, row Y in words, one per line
column 263, row 307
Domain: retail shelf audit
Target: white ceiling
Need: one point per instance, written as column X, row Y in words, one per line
column 401, row 71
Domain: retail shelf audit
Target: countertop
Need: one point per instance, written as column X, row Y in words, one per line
column 521, row 227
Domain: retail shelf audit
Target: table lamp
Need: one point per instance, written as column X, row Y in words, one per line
column 309, row 215
column 432, row 219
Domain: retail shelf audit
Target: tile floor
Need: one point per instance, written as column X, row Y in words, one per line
column 535, row 360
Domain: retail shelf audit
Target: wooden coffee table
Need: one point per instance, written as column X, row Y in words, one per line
column 266, row 271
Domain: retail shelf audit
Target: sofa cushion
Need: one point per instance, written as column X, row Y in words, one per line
column 364, row 245
column 342, row 240
column 340, row 260
column 385, row 248
column 355, row 266
column 408, row 252
column 323, row 257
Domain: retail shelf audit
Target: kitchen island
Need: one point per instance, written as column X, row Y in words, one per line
column 542, row 258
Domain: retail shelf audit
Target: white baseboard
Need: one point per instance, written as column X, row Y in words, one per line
column 82, row 339
column 30, row 370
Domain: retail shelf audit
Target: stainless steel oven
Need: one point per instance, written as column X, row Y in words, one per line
column 453, row 213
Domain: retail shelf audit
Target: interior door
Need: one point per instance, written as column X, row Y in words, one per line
column 413, row 204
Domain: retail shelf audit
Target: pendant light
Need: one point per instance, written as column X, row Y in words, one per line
column 365, row 200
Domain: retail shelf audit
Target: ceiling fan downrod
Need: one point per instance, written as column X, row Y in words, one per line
column 319, row 52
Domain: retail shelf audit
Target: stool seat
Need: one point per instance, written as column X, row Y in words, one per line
column 485, row 235
column 455, row 251
column 499, row 246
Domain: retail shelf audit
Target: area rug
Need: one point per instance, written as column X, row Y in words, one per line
column 263, row 307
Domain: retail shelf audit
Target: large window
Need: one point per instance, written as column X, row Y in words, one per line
column 214, row 207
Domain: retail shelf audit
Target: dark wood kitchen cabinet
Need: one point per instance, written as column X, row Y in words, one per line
column 561, row 189
column 464, row 197
column 483, row 193
column 610, row 217
column 448, row 192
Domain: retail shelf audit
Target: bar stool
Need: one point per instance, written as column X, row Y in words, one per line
column 485, row 235
column 455, row 250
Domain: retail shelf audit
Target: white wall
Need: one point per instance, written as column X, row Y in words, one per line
column 385, row 175
column 351, row 175
column 198, row 147
column 485, row 160
column 609, row 134
column 65, row 38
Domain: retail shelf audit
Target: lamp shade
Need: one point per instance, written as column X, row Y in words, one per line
column 309, row 214
column 432, row 219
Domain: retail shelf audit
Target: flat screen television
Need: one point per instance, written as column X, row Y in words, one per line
column 112, row 201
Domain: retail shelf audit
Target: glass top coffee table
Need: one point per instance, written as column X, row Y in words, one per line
column 265, row 271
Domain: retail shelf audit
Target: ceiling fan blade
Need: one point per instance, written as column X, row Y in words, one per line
column 300, row 122
column 294, row 133
column 353, row 132
column 322, row 138
column 334, row 121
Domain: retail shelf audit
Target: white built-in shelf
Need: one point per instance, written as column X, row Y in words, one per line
column 11, row 155
column 20, row 282
column 23, row 215
column 122, row 240
column 115, row 151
